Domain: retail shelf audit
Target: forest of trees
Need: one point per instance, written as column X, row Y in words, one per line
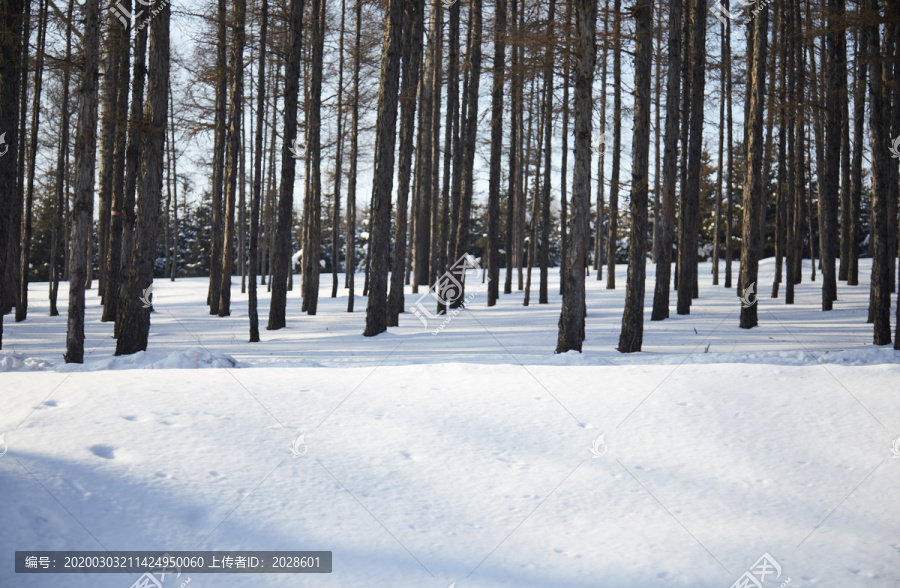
column 143, row 140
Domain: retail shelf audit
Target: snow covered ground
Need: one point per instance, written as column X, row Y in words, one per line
column 475, row 456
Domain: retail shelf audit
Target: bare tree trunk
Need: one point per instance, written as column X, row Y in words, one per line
column 571, row 319
column 563, row 176
column 338, row 162
column 136, row 325
column 27, row 228
column 216, row 246
column 85, row 158
column 791, row 162
column 657, row 156
column 173, row 157
column 413, row 21
column 473, row 57
column 354, row 157
column 512, row 238
column 58, row 235
column 632, row 334
column 113, row 259
column 497, row 152
column 717, row 241
column 859, row 114
column 255, row 197
column 132, row 158
column 314, row 152
column 670, row 166
column 690, row 211
column 601, row 145
column 281, row 250
column 612, row 238
column 424, row 153
column 881, row 188
column 376, row 309
column 828, row 203
column 13, row 14
column 548, row 168
column 781, row 181
column 232, row 152
column 753, row 185
column 729, row 212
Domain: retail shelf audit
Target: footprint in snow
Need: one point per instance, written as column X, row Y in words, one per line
column 104, row 451
column 50, row 403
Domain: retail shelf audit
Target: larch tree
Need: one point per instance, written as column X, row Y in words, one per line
column 218, row 171
column 880, row 305
column 27, row 224
column 670, row 165
column 389, row 85
column 753, row 183
column 232, row 151
column 136, row 324
column 281, row 250
column 496, row 152
column 572, row 316
column 83, row 206
column 256, row 195
column 612, row 239
column 632, row 334
column 12, row 15
column 411, row 56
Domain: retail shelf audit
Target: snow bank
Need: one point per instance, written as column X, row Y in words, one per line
column 192, row 358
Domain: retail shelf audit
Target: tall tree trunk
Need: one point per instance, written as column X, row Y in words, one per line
column 473, row 58
column 690, row 202
column 136, row 325
column 173, row 158
column 281, row 250
column 512, row 236
column 12, row 16
column 354, row 157
column 411, row 56
column 58, row 234
column 753, row 185
column 113, row 259
column 314, row 151
column 85, row 158
column 424, row 153
column 232, row 151
column 859, row 114
column 27, row 225
column 601, row 145
column 729, row 187
column 438, row 48
column 881, row 188
column 657, row 156
column 563, row 176
column 632, row 334
column 338, row 163
column 497, row 151
column 828, row 203
column 132, row 161
column 376, row 309
column 255, row 197
column 548, row 168
column 790, row 201
column 117, row 38
column 612, row 238
column 571, row 319
column 670, row 166
column 781, row 181
column 218, row 175
column 717, row 241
